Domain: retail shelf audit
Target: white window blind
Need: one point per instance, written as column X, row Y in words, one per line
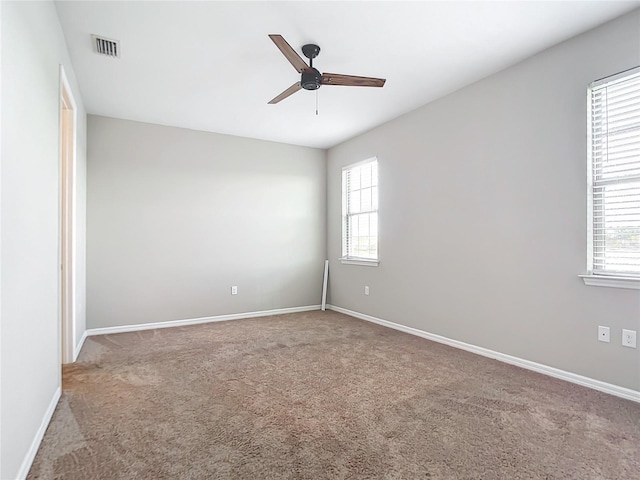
column 614, row 246
column 360, row 211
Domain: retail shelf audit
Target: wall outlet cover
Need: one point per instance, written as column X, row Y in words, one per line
column 629, row 338
column 234, row 290
column 603, row 334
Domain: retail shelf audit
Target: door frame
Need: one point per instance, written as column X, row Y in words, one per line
column 67, row 216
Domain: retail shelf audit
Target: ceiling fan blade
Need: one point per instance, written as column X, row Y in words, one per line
column 295, row 59
column 289, row 91
column 351, row 80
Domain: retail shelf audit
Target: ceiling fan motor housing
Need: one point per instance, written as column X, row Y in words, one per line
column 311, row 79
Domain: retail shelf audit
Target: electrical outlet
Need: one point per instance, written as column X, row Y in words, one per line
column 234, row 290
column 629, row 338
column 366, row 289
column 603, row 334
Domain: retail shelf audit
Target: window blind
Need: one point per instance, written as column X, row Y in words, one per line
column 615, row 175
column 360, row 211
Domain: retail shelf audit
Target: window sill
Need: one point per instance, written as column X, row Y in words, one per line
column 611, row 281
column 359, row 261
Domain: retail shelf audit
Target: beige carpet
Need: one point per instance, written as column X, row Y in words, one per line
column 322, row 395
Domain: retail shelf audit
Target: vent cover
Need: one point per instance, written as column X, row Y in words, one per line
column 106, row 46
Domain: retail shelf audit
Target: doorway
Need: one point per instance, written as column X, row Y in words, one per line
column 67, row 218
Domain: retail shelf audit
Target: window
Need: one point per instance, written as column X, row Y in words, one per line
column 360, row 213
column 614, row 179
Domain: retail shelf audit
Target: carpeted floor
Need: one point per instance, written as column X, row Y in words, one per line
column 320, row 395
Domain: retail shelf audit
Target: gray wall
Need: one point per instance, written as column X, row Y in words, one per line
column 33, row 48
column 483, row 215
column 176, row 217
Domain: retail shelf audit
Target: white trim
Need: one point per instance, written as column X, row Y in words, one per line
column 196, row 321
column 67, row 221
column 609, row 388
column 323, row 307
column 76, row 351
column 37, row 439
column 611, row 281
column 359, row 261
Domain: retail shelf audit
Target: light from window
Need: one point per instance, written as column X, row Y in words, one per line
column 614, row 176
column 360, row 211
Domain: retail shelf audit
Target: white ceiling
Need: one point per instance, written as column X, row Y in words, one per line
column 211, row 66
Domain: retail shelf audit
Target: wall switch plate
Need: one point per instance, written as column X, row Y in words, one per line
column 603, row 334
column 234, row 290
column 629, row 338
column 366, row 290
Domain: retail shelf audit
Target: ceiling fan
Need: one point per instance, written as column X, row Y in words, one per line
column 312, row 79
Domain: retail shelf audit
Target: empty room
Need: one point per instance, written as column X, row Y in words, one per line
column 320, row 240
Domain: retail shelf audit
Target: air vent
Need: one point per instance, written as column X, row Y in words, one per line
column 106, row 46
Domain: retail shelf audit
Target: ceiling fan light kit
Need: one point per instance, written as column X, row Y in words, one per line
column 310, row 77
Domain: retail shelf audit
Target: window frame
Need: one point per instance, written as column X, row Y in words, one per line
column 595, row 277
column 345, row 258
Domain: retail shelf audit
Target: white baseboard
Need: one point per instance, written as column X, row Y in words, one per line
column 76, row 351
column 196, row 321
column 609, row 388
column 37, row 439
